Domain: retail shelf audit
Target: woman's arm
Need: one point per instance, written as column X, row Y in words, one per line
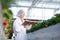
column 17, row 26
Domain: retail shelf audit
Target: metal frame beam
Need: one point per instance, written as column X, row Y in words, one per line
column 48, row 1
column 34, row 7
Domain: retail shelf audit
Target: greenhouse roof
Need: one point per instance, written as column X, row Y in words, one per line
column 35, row 7
column 42, row 4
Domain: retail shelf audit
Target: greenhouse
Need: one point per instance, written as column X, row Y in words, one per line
column 37, row 8
column 43, row 15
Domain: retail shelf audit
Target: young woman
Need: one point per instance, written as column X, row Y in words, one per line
column 19, row 29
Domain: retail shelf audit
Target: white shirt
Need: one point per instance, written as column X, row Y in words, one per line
column 19, row 30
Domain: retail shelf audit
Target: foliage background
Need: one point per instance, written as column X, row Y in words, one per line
column 7, row 15
column 46, row 23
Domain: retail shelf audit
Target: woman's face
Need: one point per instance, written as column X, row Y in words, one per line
column 22, row 15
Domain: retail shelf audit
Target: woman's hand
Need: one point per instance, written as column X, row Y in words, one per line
column 26, row 25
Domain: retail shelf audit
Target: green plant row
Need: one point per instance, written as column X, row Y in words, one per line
column 46, row 23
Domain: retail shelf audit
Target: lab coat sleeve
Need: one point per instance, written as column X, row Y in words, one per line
column 17, row 26
column 18, row 29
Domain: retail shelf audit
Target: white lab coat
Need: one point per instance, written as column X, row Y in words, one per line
column 19, row 30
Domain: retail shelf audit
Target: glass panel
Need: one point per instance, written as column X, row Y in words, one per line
column 41, row 14
column 22, row 3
